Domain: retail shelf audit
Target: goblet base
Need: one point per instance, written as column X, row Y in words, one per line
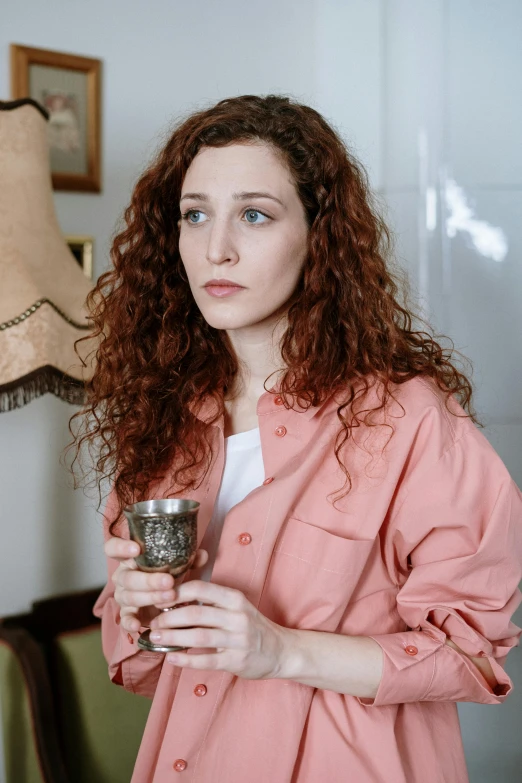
column 144, row 643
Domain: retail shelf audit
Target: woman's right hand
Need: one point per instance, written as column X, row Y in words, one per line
column 134, row 589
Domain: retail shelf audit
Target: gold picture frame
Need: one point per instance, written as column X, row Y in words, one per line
column 82, row 248
column 68, row 86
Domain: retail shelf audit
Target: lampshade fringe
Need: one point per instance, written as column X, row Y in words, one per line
column 45, row 379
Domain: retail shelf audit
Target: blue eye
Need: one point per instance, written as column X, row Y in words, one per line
column 186, row 216
column 257, row 212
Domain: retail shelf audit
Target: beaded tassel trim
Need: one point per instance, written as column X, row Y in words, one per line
column 30, row 310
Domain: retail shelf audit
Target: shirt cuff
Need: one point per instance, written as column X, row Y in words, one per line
column 136, row 670
column 419, row 666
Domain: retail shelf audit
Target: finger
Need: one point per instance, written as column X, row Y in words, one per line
column 211, row 593
column 198, row 637
column 144, row 598
column 129, row 618
column 201, row 558
column 201, row 616
column 121, row 548
column 134, row 579
column 130, row 623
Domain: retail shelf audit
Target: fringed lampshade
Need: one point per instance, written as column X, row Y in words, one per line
column 42, row 287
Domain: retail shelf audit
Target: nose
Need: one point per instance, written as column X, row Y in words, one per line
column 221, row 247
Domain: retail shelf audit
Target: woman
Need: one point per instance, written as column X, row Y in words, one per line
column 255, row 357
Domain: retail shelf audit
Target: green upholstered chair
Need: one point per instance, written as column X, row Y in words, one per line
column 103, row 723
column 63, row 721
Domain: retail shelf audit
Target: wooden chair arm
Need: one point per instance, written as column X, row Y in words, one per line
column 32, row 663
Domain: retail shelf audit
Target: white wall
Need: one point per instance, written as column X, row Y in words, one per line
column 394, row 77
column 156, row 64
column 451, row 71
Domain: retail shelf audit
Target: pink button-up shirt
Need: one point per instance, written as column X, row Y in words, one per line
column 426, row 545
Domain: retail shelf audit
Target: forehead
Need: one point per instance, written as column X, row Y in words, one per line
column 254, row 165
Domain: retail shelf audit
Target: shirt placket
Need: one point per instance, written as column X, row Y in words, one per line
column 248, row 537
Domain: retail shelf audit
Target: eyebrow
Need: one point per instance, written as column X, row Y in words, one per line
column 244, row 195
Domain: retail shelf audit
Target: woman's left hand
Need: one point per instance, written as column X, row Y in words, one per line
column 246, row 643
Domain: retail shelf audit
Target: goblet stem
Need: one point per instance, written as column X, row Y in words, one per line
column 144, row 642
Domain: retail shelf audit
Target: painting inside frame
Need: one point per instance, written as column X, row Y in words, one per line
column 63, row 93
column 68, row 87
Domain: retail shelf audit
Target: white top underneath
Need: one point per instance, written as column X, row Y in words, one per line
column 244, row 471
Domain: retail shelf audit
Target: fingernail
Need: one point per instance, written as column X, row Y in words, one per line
column 155, row 636
column 166, row 581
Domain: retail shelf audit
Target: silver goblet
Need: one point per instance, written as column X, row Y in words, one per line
column 166, row 531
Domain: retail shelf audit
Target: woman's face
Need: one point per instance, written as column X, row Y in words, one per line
column 258, row 242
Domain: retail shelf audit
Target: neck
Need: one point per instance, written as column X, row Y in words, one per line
column 259, row 356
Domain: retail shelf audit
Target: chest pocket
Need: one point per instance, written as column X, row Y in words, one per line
column 311, row 576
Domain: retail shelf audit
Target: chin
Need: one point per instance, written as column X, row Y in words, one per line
column 225, row 321
column 225, row 324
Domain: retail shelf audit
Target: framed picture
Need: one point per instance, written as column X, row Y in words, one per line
column 69, row 87
column 82, row 249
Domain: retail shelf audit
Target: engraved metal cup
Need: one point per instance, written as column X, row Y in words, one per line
column 166, row 531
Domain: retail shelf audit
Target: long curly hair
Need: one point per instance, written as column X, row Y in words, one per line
column 155, row 352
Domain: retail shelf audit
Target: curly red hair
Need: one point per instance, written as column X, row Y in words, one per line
column 345, row 325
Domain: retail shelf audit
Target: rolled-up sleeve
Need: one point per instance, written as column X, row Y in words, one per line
column 136, row 670
column 458, row 534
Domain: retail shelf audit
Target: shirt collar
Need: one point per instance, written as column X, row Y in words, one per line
column 266, row 404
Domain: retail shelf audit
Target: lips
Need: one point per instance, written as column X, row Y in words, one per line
column 224, row 283
column 222, row 288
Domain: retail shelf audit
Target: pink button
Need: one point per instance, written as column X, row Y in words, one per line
column 411, row 649
column 200, row 690
column 179, row 765
column 244, row 538
column 129, row 637
column 268, row 480
column 281, row 431
column 278, row 400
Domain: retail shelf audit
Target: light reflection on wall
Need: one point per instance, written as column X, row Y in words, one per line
column 490, row 241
